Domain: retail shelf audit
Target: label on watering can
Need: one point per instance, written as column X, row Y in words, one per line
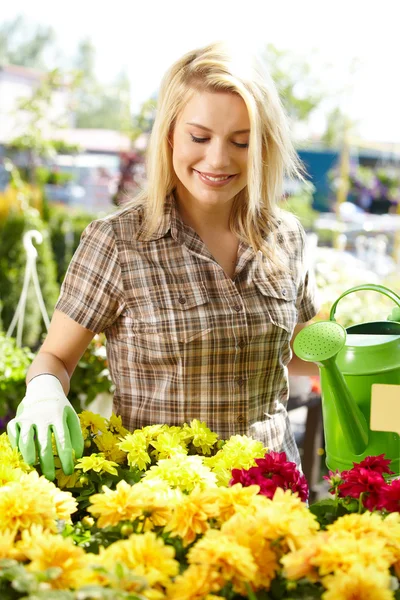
column 385, row 407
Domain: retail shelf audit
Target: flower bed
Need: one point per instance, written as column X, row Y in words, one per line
column 176, row 513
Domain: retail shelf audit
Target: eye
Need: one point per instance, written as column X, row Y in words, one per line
column 198, row 140
column 240, row 145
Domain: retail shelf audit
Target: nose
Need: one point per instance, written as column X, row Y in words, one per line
column 218, row 155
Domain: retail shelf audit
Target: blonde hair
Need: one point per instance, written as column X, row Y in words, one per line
column 271, row 155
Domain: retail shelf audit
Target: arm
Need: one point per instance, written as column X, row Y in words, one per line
column 296, row 365
column 64, row 345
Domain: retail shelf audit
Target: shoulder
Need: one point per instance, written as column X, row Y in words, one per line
column 124, row 224
column 290, row 231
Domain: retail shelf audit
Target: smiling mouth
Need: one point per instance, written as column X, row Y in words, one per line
column 214, row 178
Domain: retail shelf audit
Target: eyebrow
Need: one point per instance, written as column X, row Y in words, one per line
column 207, row 129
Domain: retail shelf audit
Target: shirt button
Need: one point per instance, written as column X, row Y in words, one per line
column 240, row 419
column 242, row 344
column 283, row 292
column 240, row 381
column 182, row 300
column 237, row 307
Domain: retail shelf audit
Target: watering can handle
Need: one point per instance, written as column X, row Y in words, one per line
column 368, row 286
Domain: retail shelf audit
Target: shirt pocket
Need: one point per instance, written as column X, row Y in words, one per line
column 279, row 301
column 177, row 311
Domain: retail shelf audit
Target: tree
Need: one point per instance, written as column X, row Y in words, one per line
column 21, row 44
column 99, row 106
column 35, row 139
column 299, row 90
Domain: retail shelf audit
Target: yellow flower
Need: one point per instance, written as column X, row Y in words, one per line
column 195, row 583
column 190, row 516
column 136, row 445
column 239, row 452
column 365, row 525
column 184, row 472
column 8, row 474
column 98, row 463
column 46, row 551
column 128, row 503
column 93, row 422
column 33, row 500
column 201, row 436
column 146, row 555
column 168, row 445
column 285, row 518
column 7, row 538
column 246, row 530
column 114, row 424
column 222, row 554
column 107, row 443
column 342, row 550
column 11, row 456
column 358, row 583
column 235, row 499
column 300, row 563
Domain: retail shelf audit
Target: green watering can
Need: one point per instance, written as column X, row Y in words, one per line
column 360, row 384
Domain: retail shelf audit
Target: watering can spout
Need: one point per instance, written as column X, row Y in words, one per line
column 320, row 343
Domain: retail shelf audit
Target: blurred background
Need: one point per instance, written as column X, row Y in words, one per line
column 78, row 93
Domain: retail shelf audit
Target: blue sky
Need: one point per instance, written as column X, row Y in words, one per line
column 144, row 37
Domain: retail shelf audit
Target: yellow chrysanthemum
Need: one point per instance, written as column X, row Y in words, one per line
column 222, row 554
column 167, row 445
column 11, row 456
column 245, row 530
column 235, row 499
column 195, row 583
column 7, row 538
column 184, row 472
column 190, row 516
column 136, row 446
column 342, row 550
column 93, row 422
column 300, row 563
column 107, row 444
column 8, row 474
column 239, row 452
column 46, row 550
column 114, row 425
column 33, row 500
column 127, row 503
column 201, row 436
column 358, row 583
column 362, row 526
column 146, row 555
column 98, row 463
column 285, row 518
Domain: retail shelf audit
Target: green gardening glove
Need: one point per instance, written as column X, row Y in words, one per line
column 46, row 410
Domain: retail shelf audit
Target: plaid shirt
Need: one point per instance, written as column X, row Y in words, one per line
column 185, row 341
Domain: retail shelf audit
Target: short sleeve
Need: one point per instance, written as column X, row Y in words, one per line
column 308, row 301
column 92, row 293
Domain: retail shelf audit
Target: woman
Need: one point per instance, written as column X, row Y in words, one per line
column 198, row 284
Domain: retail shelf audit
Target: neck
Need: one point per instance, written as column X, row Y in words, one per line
column 203, row 217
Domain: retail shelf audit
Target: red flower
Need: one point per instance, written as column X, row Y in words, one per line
column 359, row 481
column 379, row 464
column 271, row 472
column 389, row 497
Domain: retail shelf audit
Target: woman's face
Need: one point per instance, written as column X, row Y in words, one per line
column 210, row 148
